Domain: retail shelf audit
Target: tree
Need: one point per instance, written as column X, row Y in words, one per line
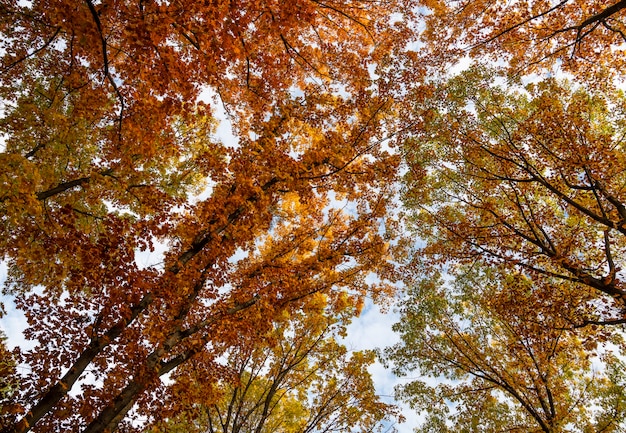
column 8, row 382
column 530, row 179
column 304, row 381
column 517, row 193
column 500, row 363
column 525, row 181
column 105, row 144
column 581, row 36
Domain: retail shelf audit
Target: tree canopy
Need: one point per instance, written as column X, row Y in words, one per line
column 514, row 305
column 302, row 381
column 107, row 145
column 501, row 362
column 531, row 178
column 583, row 37
column 499, row 128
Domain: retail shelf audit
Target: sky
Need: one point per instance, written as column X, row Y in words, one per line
column 372, row 330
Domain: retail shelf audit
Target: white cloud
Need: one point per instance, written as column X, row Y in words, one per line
column 372, row 330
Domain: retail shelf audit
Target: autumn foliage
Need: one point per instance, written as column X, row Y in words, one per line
column 110, row 152
column 502, row 361
column 583, row 37
column 528, row 178
column 195, row 201
column 515, row 299
column 302, row 381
